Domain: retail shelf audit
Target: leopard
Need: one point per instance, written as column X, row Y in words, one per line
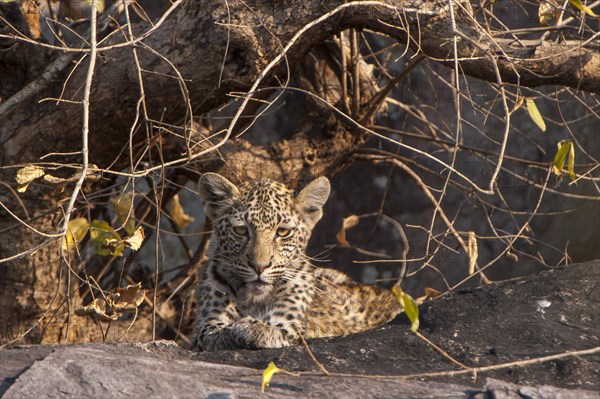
column 259, row 288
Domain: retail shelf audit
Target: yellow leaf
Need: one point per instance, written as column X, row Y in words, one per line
column 581, row 7
column 571, row 163
column 135, row 241
column 473, row 253
column 123, row 205
column 267, row 375
column 410, row 307
column 534, row 114
column 348, row 223
column 177, row 212
column 26, row 175
column 76, row 230
column 564, row 147
column 106, row 240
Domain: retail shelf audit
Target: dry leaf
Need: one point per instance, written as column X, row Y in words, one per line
column 548, row 10
column 473, row 253
column 135, row 241
column 26, row 175
column 123, row 205
column 92, row 174
column 99, row 309
column 109, row 309
column 177, row 212
column 518, row 103
column 348, row 223
column 128, row 298
column 431, row 292
column 510, row 255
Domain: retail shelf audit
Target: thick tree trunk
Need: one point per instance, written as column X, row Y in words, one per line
column 218, row 51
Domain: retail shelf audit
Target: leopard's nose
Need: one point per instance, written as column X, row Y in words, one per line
column 260, row 266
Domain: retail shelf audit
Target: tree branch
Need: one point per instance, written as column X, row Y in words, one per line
column 195, row 38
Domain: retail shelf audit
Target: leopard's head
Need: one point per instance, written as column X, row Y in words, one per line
column 262, row 229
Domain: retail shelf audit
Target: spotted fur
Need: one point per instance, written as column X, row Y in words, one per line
column 259, row 289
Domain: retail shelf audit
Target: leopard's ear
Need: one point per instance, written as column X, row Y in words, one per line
column 218, row 193
column 311, row 199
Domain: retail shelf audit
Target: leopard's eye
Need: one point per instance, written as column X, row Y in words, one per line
column 240, row 230
column 284, row 232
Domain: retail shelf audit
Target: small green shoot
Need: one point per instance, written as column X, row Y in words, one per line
column 581, row 7
column 410, row 307
column 564, row 147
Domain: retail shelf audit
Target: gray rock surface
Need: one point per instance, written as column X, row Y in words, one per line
column 498, row 323
column 108, row 371
column 113, row 370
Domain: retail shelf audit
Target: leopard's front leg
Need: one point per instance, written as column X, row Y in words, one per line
column 221, row 326
column 252, row 333
column 281, row 324
column 247, row 332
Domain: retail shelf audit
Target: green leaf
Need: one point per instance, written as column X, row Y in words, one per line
column 106, row 240
column 564, row 147
column 410, row 307
column 76, row 230
column 581, row 7
column 534, row 114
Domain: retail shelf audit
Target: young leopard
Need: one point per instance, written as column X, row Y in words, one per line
column 259, row 289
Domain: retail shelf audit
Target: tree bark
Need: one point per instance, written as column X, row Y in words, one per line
column 199, row 38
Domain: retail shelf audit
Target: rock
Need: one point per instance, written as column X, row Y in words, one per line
column 554, row 312
column 498, row 323
column 109, row 371
column 505, row 390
